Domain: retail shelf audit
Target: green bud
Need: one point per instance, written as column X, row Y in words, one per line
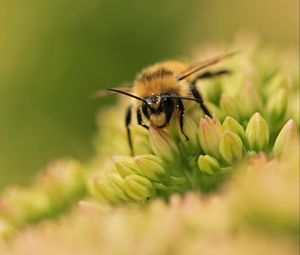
column 102, row 189
column 190, row 129
column 232, row 125
column 293, row 108
column 215, row 110
column 62, row 182
column 257, row 132
column 210, row 132
column 24, row 205
column 73, row 182
column 251, row 154
column 250, row 100
column 140, row 140
column 138, row 187
column 211, row 90
column 285, row 138
column 118, row 184
column 208, row 164
column 231, row 147
column 229, row 106
column 126, row 166
column 277, row 104
column 151, row 167
column 278, row 82
column 162, row 144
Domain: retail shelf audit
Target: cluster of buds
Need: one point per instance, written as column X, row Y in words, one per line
column 254, row 112
column 175, row 167
column 136, row 179
column 54, row 190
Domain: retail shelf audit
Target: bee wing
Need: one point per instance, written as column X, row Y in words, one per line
column 204, row 64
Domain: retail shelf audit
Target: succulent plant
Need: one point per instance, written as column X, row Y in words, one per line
column 252, row 115
column 236, row 177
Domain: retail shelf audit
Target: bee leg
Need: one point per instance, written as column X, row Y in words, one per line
column 197, row 95
column 208, row 74
column 127, row 123
column 181, row 115
column 139, row 119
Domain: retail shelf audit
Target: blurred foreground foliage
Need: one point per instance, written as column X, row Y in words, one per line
column 256, row 212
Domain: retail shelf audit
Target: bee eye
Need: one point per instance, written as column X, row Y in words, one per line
column 166, row 101
column 145, row 110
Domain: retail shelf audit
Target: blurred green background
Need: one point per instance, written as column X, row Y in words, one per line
column 55, row 53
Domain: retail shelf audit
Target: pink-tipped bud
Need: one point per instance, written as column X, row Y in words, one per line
column 210, row 132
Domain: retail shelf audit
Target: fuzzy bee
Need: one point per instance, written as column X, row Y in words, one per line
column 161, row 89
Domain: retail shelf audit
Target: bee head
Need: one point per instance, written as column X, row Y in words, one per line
column 158, row 109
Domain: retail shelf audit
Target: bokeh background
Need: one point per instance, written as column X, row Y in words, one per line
column 55, row 53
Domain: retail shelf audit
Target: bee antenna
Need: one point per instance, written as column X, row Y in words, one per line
column 125, row 93
column 184, row 98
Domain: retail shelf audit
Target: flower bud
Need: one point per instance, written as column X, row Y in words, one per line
column 257, row 132
column 210, row 132
column 139, row 187
column 62, row 182
column 102, row 189
column 190, row 129
column 250, row 100
column 215, row 110
column 24, row 205
column 162, row 144
column 211, row 90
column 285, row 138
column 126, row 166
column 232, row 125
column 277, row 104
column 231, row 147
column 118, row 184
column 208, row 164
column 229, row 106
column 278, row 82
column 140, row 140
column 151, row 167
column 251, row 154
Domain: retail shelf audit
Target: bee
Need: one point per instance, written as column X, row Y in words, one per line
column 162, row 89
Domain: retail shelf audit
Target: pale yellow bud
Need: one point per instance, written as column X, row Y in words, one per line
column 287, row 136
column 231, row 147
column 162, row 144
column 151, row 167
column 257, row 132
column 208, row 164
column 138, row 187
column 210, row 132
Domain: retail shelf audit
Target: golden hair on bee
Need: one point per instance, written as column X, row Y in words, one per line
column 160, row 90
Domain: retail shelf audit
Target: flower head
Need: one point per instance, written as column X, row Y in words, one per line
column 255, row 100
